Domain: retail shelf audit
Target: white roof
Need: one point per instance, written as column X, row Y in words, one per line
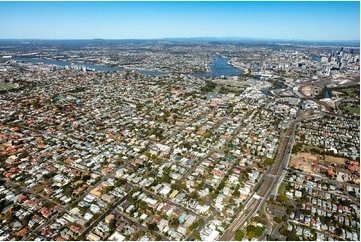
column 165, row 190
column 88, row 216
column 212, row 236
column 116, row 237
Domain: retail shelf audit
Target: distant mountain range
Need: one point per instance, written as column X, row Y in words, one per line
column 249, row 39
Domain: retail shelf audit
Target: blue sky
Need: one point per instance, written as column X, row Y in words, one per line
column 137, row 20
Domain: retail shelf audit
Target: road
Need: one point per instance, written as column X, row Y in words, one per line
column 27, row 190
column 105, row 177
column 337, row 193
column 246, row 214
column 268, row 229
column 276, row 232
column 191, row 169
column 41, row 227
column 166, row 200
column 101, row 217
column 232, row 167
column 141, row 227
column 206, row 221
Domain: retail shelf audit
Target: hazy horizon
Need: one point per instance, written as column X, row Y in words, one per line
column 196, row 38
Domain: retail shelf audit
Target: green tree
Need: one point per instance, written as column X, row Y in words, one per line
column 269, row 161
column 236, row 193
column 270, row 238
column 112, row 224
column 239, row 235
column 254, row 232
column 143, row 205
column 153, row 227
column 165, row 178
column 197, row 236
column 292, row 236
column 107, row 189
column 338, row 231
column 120, row 182
column 194, row 195
column 196, row 224
column 212, row 195
column 284, row 231
column 221, row 186
column 278, row 219
column 174, row 222
column 139, row 106
column 282, row 198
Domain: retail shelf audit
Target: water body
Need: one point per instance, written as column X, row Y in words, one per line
column 266, row 92
column 64, row 63
column 316, row 58
column 152, row 73
column 282, row 85
column 327, row 94
column 218, row 68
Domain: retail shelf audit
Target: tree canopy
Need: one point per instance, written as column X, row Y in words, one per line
column 239, row 235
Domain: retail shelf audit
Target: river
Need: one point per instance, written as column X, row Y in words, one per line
column 64, row 63
column 218, row 68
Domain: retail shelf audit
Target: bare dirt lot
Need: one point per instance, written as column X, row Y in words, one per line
column 303, row 161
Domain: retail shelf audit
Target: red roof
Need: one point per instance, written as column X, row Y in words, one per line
column 157, row 219
column 339, row 207
column 165, row 207
column 353, row 168
column 45, row 212
column 21, row 232
column 105, row 169
column 74, row 228
column 22, row 198
column 330, row 172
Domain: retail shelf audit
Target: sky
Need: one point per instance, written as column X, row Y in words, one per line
column 148, row 20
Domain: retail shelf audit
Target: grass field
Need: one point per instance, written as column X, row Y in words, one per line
column 282, row 188
column 352, row 109
column 333, row 159
column 231, row 83
column 6, row 86
column 309, row 147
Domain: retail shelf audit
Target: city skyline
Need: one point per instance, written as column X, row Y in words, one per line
column 312, row 21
